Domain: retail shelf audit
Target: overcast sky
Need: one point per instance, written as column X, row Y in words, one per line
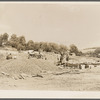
column 65, row 23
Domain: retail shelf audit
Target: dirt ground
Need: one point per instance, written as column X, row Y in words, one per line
column 85, row 81
column 79, row 80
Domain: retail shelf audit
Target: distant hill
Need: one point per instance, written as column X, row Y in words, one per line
column 89, row 49
column 92, row 48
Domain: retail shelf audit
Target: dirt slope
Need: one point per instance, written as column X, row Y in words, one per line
column 24, row 65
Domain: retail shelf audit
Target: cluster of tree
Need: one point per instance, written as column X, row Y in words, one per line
column 3, row 39
column 74, row 49
column 20, row 44
column 14, row 41
column 45, row 46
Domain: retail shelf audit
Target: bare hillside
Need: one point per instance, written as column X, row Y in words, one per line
column 28, row 66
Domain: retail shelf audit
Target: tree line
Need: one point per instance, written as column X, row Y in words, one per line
column 19, row 42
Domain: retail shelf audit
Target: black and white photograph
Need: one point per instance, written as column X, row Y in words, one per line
column 50, row 46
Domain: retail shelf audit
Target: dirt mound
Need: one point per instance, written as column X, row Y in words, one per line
column 27, row 66
column 34, row 66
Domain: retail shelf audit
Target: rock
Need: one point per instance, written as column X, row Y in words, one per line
column 3, row 73
column 37, row 76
